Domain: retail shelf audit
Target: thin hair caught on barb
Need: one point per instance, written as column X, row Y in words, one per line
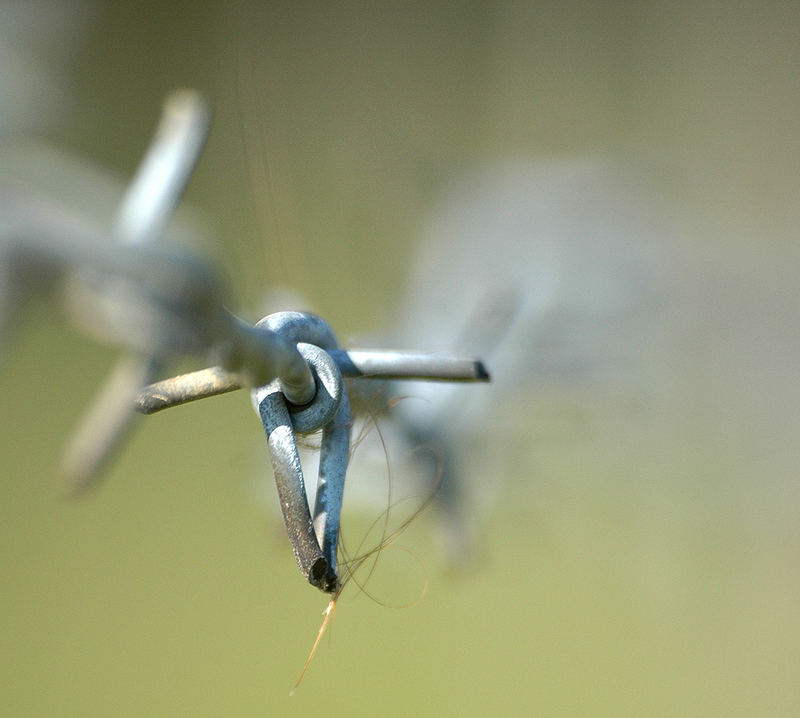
column 349, row 566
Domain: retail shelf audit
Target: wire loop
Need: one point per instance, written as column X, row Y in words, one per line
column 314, row 539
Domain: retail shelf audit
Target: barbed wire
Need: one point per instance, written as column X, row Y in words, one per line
column 161, row 302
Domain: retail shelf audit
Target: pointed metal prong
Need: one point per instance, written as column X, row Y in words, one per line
column 164, row 172
column 334, row 457
column 185, row 388
column 108, row 421
column 427, row 366
column 146, row 208
column 291, row 488
column 363, row 363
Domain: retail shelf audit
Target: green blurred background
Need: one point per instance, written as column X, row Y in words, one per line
column 649, row 570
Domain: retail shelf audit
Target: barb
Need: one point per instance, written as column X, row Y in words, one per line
column 353, row 363
column 149, row 203
column 165, row 170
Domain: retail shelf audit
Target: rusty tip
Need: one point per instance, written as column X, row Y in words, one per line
column 322, row 577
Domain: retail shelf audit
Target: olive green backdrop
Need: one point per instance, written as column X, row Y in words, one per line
column 643, row 573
